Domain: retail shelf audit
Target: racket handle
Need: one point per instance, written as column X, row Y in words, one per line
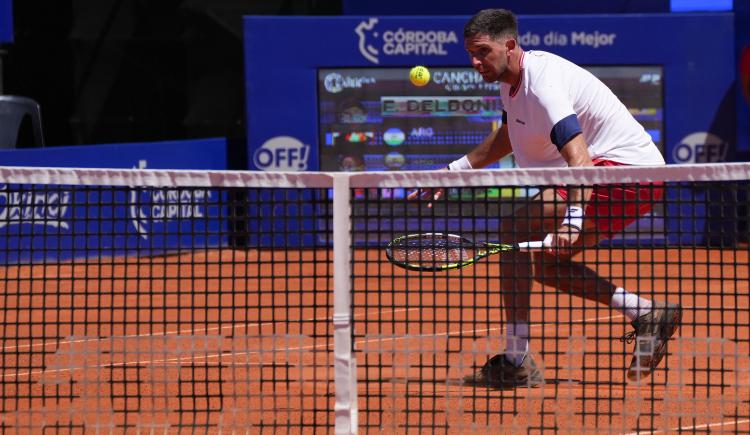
column 531, row 246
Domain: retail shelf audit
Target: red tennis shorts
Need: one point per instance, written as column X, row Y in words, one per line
column 615, row 206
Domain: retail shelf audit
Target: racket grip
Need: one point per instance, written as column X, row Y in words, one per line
column 531, row 246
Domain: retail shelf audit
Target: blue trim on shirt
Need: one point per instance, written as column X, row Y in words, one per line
column 505, row 117
column 565, row 130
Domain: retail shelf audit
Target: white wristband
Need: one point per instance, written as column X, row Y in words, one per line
column 574, row 217
column 462, row 163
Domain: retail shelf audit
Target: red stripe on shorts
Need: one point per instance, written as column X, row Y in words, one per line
column 615, row 206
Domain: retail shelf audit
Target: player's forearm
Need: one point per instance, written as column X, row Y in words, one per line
column 576, row 154
column 579, row 196
column 493, row 148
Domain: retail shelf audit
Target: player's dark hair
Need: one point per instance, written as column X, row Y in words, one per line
column 495, row 23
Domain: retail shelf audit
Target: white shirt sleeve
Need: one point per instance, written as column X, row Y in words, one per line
column 554, row 102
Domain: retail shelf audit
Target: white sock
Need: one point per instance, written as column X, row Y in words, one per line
column 517, row 342
column 632, row 305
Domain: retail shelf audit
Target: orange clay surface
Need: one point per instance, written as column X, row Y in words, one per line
column 241, row 342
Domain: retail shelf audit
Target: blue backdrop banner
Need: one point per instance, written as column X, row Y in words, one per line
column 295, row 119
column 57, row 223
column 6, row 21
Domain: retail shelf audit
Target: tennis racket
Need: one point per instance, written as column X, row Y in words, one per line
column 438, row 251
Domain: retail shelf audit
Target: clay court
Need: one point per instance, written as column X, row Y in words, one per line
column 241, row 341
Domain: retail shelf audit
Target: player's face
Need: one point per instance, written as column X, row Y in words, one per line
column 488, row 56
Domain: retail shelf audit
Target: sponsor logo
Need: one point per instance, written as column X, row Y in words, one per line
column 463, row 81
column 700, row 147
column 34, row 208
column 146, row 206
column 553, row 38
column 394, row 136
column 151, row 206
column 651, row 78
column 401, row 42
column 359, row 137
column 335, row 82
column 458, row 77
column 362, row 30
column 282, row 153
column 394, row 160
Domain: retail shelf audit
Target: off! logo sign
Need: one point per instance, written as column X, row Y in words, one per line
column 701, row 147
column 282, row 153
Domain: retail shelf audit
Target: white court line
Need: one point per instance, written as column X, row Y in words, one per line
column 260, row 325
column 700, row 426
column 533, row 325
column 171, row 360
column 180, row 360
column 185, row 331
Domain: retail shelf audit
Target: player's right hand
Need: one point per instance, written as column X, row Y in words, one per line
column 562, row 240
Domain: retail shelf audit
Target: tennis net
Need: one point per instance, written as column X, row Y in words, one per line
column 239, row 302
column 133, row 302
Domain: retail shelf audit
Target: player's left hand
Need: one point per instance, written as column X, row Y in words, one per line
column 564, row 238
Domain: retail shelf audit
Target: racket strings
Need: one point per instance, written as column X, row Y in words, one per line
column 433, row 250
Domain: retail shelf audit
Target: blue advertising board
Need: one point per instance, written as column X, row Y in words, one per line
column 60, row 222
column 179, row 154
column 284, row 92
column 6, row 21
column 742, row 24
column 282, row 109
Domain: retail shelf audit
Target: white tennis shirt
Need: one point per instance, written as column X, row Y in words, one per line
column 553, row 88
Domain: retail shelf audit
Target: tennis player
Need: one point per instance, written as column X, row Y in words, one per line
column 557, row 114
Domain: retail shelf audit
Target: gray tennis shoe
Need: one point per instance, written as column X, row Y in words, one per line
column 651, row 334
column 498, row 372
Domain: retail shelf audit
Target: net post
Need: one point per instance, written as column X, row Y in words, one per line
column 344, row 367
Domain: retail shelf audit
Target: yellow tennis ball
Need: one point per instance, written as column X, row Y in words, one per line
column 419, row 76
